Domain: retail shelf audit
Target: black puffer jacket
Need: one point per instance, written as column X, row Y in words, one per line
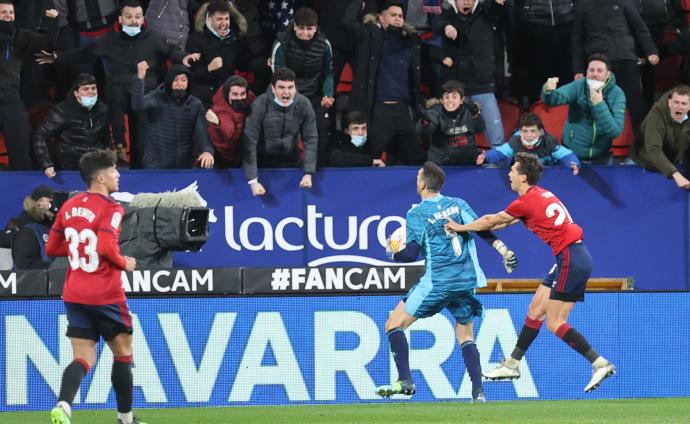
column 15, row 46
column 451, row 134
column 176, row 132
column 655, row 11
column 76, row 130
column 545, row 12
column 611, row 27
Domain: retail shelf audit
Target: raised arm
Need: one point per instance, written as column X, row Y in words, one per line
column 495, row 221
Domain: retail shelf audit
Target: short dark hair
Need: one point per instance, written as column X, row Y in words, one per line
column 306, row 16
column 236, row 80
column 530, row 119
column 529, row 165
column 218, row 6
column 95, row 161
column 130, row 3
column 82, row 80
column 680, row 89
column 7, row 2
column 355, row 117
column 600, row 57
column 283, row 74
column 453, row 86
column 390, row 3
column 433, row 176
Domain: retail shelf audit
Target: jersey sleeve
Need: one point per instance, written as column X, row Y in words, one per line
column 109, row 235
column 414, row 227
column 517, row 209
column 56, row 245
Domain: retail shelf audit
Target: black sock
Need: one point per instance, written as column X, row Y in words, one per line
column 529, row 332
column 400, row 349
column 71, row 379
column 577, row 341
column 122, row 380
column 470, row 355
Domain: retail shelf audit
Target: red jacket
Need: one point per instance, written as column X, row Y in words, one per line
column 226, row 135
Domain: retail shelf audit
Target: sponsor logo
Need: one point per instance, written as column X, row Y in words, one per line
column 347, row 279
column 164, row 281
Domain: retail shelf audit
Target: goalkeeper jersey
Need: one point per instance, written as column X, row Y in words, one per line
column 450, row 260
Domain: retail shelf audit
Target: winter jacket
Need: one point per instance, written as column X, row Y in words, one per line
column 171, row 18
column 16, row 45
column 342, row 153
column 331, row 21
column 28, row 244
column 123, row 53
column 472, row 51
column 225, row 136
column 176, row 132
column 92, row 15
column 549, row 151
column 612, row 27
column 451, row 134
column 30, row 14
column 368, row 38
column 275, row 130
column 545, row 12
column 662, row 143
column 312, row 61
column 76, row 130
column 589, row 129
column 655, row 11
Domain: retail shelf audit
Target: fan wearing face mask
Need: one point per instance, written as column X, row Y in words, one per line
column 78, row 124
column 176, row 131
column 596, row 111
column 531, row 137
column 350, row 147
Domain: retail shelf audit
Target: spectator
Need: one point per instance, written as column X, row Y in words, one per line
column 533, row 138
column 16, row 45
column 467, row 56
column 387, row 80
column 176, row 128
column 122, row 49
column 78, row 124
column 543, row 31
column 259, row 42
column 656, row 15
column 278, row 119
column 664, row 137
column 171, row 18
column 305, row 50
column 350, row 148
column 219, row 38
column 29, row 243
column 597, row 110
column 226, row 118
column 450, row 126
column 615, row 29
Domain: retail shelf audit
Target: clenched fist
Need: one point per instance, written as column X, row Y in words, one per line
column 551, row 84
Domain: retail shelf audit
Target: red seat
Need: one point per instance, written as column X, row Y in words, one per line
column 623, row 143
column 553, row 117
column 510, row 114
column 482, row 141
column 4, row 156
column 345, row 81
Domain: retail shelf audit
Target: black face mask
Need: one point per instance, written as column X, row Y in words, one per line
column 178, row 95
column 239, row 105
column 394, row 30
column 6, row 27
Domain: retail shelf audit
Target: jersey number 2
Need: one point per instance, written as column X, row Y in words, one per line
column 88, row 238
column 560, row 212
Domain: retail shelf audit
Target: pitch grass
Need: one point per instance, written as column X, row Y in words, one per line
column 623, row 411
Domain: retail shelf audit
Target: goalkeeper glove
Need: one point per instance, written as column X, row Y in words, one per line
column 509, row 258
column 389, row 250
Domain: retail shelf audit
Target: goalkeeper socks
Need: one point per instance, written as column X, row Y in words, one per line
column 400, row 349
column 577, row 341
column 470, row 355
column 122, row 380
column 529, row 332
column 71, row 379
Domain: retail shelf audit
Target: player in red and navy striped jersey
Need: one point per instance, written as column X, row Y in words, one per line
column 547, row 217
column 86, row 231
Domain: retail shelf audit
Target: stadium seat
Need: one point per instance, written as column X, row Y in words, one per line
column 482, row 141
column 510, row 114
column 38, row 114
column 667, row 72
column 345, row 81
column 4, row 156
column 554, row 117
column 623, row 143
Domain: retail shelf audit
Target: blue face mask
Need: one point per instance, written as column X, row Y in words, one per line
column 88, row 102
column 279, row 103
column 358, row 140
column 131, row 30
column 683, row 119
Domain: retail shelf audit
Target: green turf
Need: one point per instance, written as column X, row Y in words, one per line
column 647, row 411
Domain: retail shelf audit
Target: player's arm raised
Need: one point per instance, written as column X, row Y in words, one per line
column 494, row 221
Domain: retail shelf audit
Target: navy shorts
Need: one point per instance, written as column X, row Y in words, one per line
column 94, row 321
column 568, row 278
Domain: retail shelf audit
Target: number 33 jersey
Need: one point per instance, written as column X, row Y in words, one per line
column 86, row 230
column 547, row 217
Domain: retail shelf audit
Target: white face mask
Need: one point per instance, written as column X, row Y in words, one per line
column 358, row 140
column 595, row 85
column 682, row 119
column 530, row 144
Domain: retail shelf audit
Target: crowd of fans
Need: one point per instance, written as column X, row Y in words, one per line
column 184, row 83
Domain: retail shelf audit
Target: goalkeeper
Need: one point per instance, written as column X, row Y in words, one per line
column 452, row 274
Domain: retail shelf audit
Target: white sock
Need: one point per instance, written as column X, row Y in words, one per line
column 126, row 418
column 65, row 407
column 600, row 362
column 512, row 363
